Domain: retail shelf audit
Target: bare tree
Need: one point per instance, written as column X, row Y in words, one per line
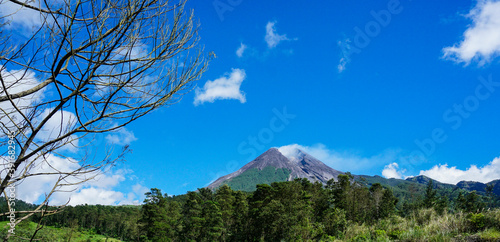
column 104, row 64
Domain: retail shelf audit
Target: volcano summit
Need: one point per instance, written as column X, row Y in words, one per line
column 274, row 165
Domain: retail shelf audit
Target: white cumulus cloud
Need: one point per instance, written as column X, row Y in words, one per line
column 34, row 188
column 17, row 81
column 93, row 196
column 59, row 124
column 241, row 49
column 392, row 171
column 453, row 175
column 481, row 41
column 103, row 189
column 224, row 87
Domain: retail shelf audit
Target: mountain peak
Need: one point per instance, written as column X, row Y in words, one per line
column 284, row 163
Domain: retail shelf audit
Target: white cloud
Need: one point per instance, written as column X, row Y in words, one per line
column 481, row 40
column 94, row 196
column 108, row 196
column 272, row 38
column 140, row 189
column 103, row 189
column 292, row 151
column 121, row 137
column 453, row 175
column 225, row 87
column 17, row 81
column 345, row 54
column 392, row 171
column 108, row 180
column 133, row 50
column 241, row 49
column 357, row 164
column 58, row 125
column 19, row 16
column 342, row 63
column 346, row 161
column 33, row 188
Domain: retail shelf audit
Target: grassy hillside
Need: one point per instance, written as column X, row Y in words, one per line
column 427, row 225
column 248, row 180
column 49, row 233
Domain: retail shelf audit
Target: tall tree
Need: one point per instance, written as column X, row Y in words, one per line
column 282, row 211
column 226, row 200
column 212, row 227
column 352, row 197
column 492, row 198
column 239, row 217
column 160, row 218
column 341, row 191
column 460, row 203
column 335, row 222
column 192, row 217
column 388, row 204
column 430, row 195
column 376, row 192
column 107, row 63
column 473, row 202
column 441, row 205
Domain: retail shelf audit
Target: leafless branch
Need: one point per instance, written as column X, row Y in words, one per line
column 106, row 64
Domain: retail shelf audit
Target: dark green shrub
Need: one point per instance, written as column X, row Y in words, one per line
column 492, row 219
column 395, row 234
column 360, row 237
column 379, row 233
column 476, row 221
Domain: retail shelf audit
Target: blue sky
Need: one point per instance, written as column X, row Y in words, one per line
column 363, row 116
column 393, row 88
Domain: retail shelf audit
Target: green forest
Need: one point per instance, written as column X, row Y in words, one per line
column 343, row 210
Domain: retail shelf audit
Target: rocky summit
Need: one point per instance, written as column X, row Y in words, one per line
column 274, row 165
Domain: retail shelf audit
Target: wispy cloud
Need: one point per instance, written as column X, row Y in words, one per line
column 481, row 41
column 224, row 87
column 272, row 37
column 345, row 54
column 345, row 160
column 241, row 49
column 121, row 137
